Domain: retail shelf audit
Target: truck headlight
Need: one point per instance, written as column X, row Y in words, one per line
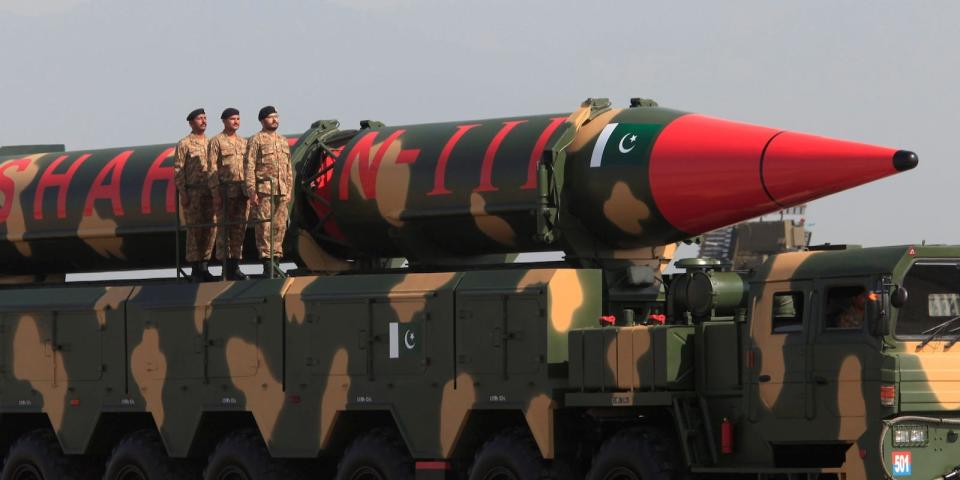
column 909, row 436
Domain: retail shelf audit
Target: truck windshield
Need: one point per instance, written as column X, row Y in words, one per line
column 933, row 297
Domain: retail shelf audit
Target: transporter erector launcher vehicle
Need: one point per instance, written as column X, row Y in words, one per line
column 460, row 362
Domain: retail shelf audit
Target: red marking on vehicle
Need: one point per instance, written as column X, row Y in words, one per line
column 112, row 191
column 486, row 169
column 658, row 317
column 370, row 182
column 159, row 173
column 292, row 141
column 324, row 186
column 901, row 462
column 8, row 187
column 60, row 181
column 912, row 252
column 538, row 151
column 888, row 395
column 726, row 436
column 705, row 172
column 433, row 465
column 294, row 399
column 798, row 167
column 408, row 156
column 323, row 180
column 367, row 171
column 440, row 174
column 74, row 402
column 608, row 320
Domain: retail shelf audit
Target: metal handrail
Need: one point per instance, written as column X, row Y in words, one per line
column 220, row 223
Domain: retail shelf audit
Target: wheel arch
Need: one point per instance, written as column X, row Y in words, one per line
column 111, row 427
column 15, row 425
column 349, row 425
column 482, row 425
column 214, row 426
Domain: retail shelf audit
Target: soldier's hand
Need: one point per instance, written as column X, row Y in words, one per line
column 254, row 198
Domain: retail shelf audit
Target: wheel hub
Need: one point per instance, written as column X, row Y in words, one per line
column 131, row 472
column 27, row 471
column 232, row 472
column 366, row 473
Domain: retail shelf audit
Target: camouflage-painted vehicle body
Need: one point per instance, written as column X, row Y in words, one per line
column 814, row 392
column 461, row 364
column 449, row 360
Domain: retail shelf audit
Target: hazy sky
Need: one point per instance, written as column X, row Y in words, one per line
column 105, row 73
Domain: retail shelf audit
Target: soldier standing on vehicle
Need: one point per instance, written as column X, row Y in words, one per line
column 191, row 173
column 268, row 184
column 227, row 153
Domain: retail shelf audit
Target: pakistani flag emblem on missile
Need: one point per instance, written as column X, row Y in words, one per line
column 623, row 143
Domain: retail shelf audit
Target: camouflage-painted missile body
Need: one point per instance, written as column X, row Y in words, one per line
column 462, row 365
column 597, row 182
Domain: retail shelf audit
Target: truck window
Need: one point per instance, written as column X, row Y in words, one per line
column 934, row 296
column 787, row 312
column 845, row 307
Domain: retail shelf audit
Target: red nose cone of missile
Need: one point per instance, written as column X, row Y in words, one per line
column 798, row 167
column 741, row 171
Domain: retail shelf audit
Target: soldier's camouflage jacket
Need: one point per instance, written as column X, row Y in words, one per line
column 227, row 155
column 191, row 169
column 268, row 162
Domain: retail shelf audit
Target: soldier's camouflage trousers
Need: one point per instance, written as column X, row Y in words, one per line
column 200, row 239
column 235, row 210
column 277, row 210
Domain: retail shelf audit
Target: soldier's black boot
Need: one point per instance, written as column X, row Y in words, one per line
column 268, row 268
column 195, row 275
column 204, row 273
column 231, row 270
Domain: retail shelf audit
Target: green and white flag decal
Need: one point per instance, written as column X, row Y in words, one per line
column 618, row 143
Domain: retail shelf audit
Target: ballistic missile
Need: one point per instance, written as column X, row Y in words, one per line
column 593, row 182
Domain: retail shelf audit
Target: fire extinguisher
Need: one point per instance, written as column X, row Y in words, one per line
column 726, row 436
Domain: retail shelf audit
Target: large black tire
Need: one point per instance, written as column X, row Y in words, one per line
column 242, row 455
column 562, row 469
column 37, row 456
column 511, row 455
column 635, row 454
column 142, row 456
column 378, row 455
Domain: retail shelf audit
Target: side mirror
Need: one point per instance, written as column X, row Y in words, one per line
column 899, row 296
column 878, row 312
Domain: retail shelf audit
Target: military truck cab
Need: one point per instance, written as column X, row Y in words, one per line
column 859, row 374
column 828, row 364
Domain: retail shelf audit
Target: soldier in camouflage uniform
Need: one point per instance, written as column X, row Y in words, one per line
column 268, row 184
column 226, row 154
column 191, row 172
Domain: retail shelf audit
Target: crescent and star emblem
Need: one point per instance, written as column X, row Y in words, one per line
column 633, row 143
column 409, row 340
